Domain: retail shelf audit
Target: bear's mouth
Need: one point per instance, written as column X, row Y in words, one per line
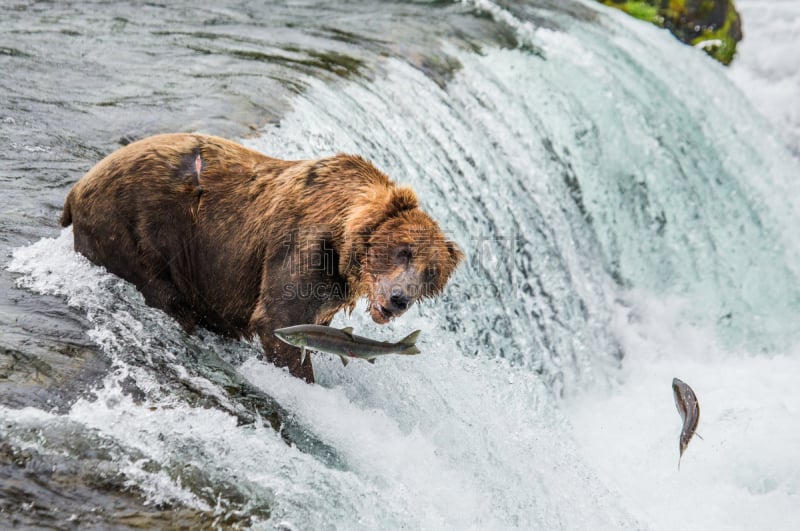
column 380, row 314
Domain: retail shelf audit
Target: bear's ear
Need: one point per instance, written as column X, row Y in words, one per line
column 401, row 199
column 370, row 214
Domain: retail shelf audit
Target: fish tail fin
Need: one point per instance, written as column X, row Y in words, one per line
column 410, row 339
column 410, row 350
column 409, row 342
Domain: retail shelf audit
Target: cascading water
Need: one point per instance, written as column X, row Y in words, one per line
column 625, row 215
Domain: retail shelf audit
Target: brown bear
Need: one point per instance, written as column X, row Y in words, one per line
column 221, row 236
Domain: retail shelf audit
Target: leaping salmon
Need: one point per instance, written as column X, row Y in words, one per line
column 689, row 410
column 343, row 342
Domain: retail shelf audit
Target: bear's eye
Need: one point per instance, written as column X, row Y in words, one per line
column 402, row 256
column 430, row 275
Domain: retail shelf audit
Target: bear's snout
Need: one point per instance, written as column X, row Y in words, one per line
column 399, row 301
column 394, row 295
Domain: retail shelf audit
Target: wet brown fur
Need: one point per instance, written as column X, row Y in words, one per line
column 249, row 243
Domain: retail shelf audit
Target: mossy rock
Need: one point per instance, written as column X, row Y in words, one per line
column 712, row 25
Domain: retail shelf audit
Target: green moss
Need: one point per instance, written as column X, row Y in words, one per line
column 712, row 25
column 334, row 62
column 726, row 49
column 640, row 10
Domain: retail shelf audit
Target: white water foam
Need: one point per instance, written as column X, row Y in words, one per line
column 435, row 442
column 767, row 63
column 743, row 474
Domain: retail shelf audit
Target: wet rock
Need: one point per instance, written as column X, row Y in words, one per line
column 49, row 376
column 64, row 475
column 39, row 490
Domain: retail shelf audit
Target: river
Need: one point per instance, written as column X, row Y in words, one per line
column 627, row 214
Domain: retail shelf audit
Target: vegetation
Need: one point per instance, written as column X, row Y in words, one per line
column 712, row 25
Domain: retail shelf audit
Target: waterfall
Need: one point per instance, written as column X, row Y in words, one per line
column 623, row 210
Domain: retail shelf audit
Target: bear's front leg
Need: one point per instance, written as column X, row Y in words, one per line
column 265, row 321
column 282, row 355
column 299, row 286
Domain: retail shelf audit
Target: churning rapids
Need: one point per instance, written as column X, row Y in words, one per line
column 627, row 217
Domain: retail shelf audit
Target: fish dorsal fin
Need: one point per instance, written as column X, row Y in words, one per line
column 348, row 330
column 410, row 339
column 345, row 361
column 371, row 360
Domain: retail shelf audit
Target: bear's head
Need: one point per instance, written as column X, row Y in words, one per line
column 408, row 259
